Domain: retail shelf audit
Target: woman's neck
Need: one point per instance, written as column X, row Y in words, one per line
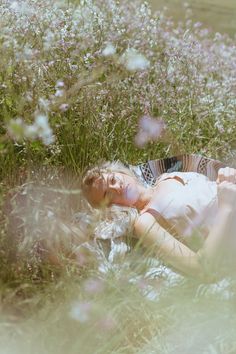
column 145, row 197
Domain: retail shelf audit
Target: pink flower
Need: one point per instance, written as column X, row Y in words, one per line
column 149, row 129
column 64, row 107
column 107, row 323
column 93, row 286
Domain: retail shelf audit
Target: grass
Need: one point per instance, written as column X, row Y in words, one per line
column 65, row 104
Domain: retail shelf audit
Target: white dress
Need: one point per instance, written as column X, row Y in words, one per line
column 185, row 204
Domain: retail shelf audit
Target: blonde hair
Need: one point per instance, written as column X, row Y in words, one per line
column 117, row 222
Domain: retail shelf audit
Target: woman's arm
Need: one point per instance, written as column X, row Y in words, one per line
column 175, row 253
column 224, row 228
column 167, row 247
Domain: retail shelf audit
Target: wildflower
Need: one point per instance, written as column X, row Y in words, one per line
column 59, row 93
column 59, row 84
column 81, row 311
column 197, row 25
column 16, row 128
column 220, row 127
column 20, row 8
column 31, row 132
column 43, row 104
column 133, row 60
column 64, row 107
column 39, row 129
column 43, row 129
column 49, row 38
column 41, row 121
column 82, row 259
column 106, row 323
column 109, row 50
column 93, row 286
column 149, row 129
column 73, row 67
column 14, row 6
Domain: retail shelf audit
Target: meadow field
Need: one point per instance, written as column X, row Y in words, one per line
column 78, row 80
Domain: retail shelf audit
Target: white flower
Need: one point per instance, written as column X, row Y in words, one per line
column 47, row 136
column 59, row 84
column 16, row 128
column 41, row 121
column 31, row 132
column 39, row 129
column 43, row 103
column 44, row 131
column 133, row 60
column 109, row 50
column 14, row 6
column 48, row 39
column 81, row 311
column 21, row 8
column 59, row 93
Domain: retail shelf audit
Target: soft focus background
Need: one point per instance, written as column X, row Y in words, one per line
column 216, row 14
column 82, row 81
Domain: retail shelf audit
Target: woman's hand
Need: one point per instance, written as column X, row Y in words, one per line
column 226, row 174
column 226, row 192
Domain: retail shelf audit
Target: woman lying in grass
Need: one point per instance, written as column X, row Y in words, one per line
column 179, row 208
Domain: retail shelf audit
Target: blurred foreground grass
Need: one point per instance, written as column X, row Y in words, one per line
column 75, row 81
column 115, row 317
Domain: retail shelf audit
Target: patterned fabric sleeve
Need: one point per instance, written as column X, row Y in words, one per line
column 149, row 171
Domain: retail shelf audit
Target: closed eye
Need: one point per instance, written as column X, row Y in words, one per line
column 112, row 179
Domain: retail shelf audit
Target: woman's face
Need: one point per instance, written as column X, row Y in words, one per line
column 114, row 188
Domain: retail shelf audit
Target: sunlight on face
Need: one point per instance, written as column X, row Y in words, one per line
column 114, row 188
